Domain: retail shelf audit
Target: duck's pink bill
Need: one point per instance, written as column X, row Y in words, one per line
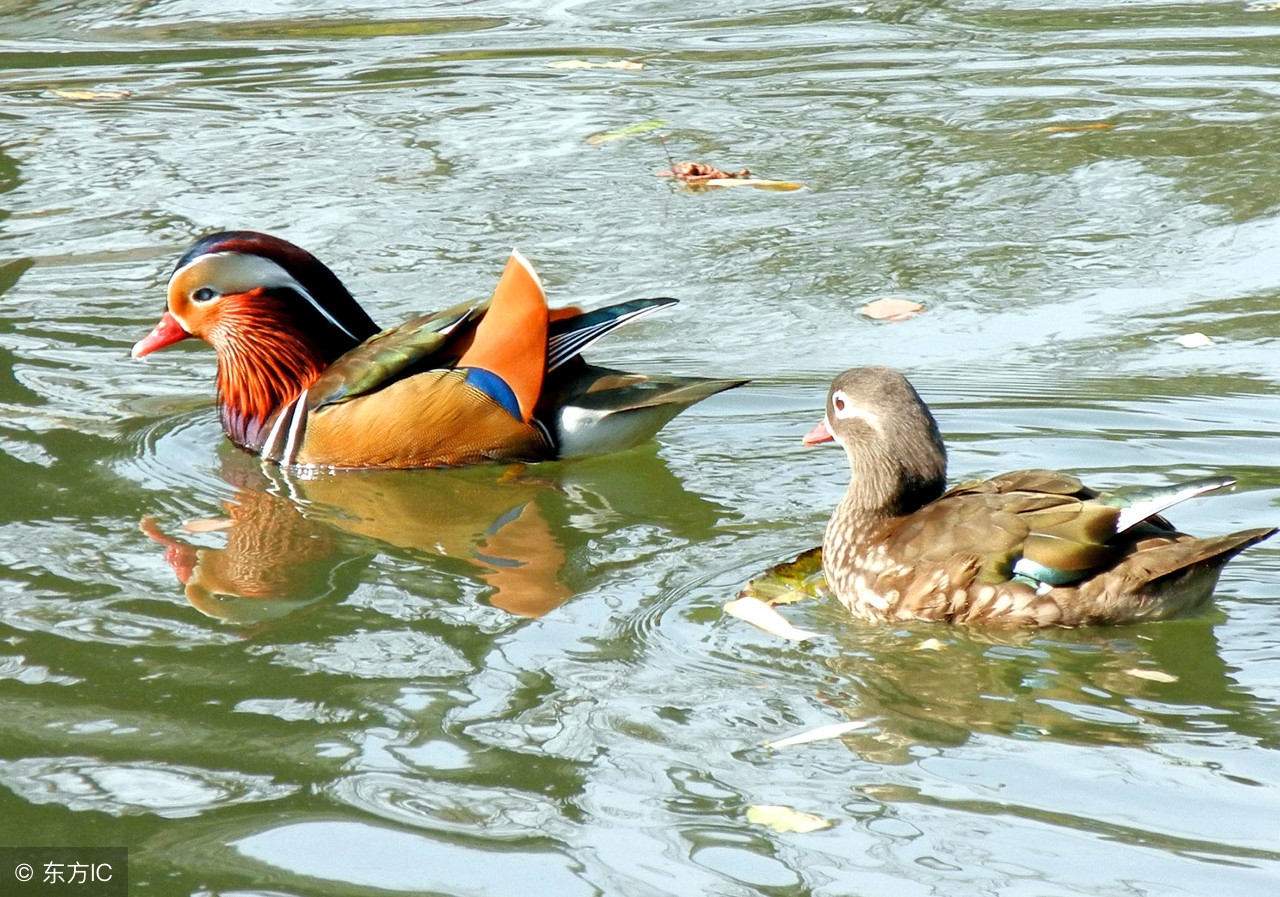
column 166, row 333
column 818, row 434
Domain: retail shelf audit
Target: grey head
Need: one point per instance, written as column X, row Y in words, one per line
column 895, row 451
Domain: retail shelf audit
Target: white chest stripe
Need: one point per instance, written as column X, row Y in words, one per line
column 269, row 446
column 295, row 429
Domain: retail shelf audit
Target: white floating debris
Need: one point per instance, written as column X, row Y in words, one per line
column 891, row 309
column 1152, row 675
column 625, row 65
column 785, row 819
column 762, row 616
column 1193, row 340
column 835, row 730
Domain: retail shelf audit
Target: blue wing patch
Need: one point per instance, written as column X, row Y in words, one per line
column 495, row 388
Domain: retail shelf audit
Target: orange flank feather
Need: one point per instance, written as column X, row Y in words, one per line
column 430, row 420
column 511, row 339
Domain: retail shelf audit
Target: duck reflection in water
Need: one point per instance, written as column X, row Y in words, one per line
column 292, row 542
column 919, row 686
column 1143, row 685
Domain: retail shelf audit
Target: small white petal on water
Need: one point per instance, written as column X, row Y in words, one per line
column 762, row 616
column 891, row 309
column 1193, row 340
column 835, row 730
column 625, row 65
column 1152, row 675
column 785, row 819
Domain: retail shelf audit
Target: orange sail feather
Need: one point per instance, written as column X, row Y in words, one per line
column 511, row 339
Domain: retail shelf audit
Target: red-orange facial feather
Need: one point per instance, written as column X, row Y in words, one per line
column 264, row 361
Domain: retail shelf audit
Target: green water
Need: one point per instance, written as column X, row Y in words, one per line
column 501, row 682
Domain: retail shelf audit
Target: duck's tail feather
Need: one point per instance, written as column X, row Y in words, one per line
column 1137, row 505
column 602, row 410
column 568, row 337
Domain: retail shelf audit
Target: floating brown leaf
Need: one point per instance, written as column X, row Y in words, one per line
column 892, row 309
column 695, row 172
column 699, row 175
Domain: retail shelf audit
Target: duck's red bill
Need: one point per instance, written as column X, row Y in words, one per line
column 166, row 333
column 818, row 434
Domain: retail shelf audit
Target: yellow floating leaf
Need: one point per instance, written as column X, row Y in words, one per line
column 790, row 581
column 1152, row 675
column 762, row 616
column 892, row 309
column 785, row 819
column 83, row 95
column 1193, row 340
column 627, row 131
column 625, row 65
column 822, row 733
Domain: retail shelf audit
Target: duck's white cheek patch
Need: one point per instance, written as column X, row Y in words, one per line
column 846, row 410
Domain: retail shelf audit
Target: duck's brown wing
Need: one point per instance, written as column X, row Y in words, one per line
column 1049, row 518
column 388, row 355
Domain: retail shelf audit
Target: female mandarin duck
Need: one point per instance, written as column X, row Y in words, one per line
column 1030, row 548
column 306, row 379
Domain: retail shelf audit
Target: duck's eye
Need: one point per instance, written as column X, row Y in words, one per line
column 839, row 403
column 204, row 294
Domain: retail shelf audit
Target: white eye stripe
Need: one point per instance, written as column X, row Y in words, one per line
column 846, row 410
column 237, row 272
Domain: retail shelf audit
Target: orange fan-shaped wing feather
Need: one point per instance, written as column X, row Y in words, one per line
column 511, row 339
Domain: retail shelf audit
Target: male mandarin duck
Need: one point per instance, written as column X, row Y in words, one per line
column 305, row 378
column 1023, row 549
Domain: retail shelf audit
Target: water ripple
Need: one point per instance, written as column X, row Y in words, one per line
column 387, row 654
column 457, row 808
column 134, row 787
